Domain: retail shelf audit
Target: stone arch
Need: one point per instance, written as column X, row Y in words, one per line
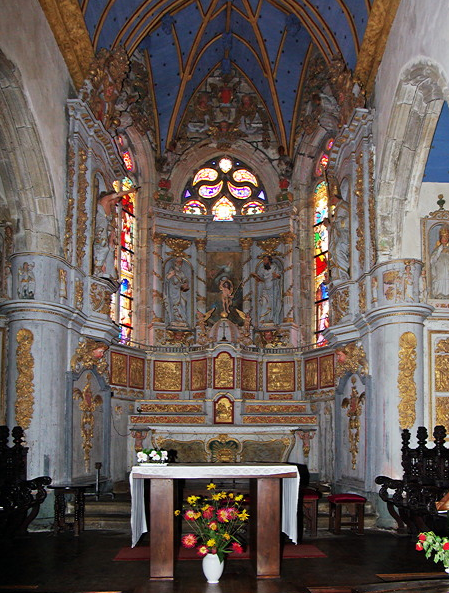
column 416, row 107
column 28, row 193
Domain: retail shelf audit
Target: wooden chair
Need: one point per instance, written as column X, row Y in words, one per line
column 356, row 506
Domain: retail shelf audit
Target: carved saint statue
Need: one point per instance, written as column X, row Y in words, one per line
column 270, row 295
column 176, row 286
column 105, row 239
column 339, row 234
column 439, row 262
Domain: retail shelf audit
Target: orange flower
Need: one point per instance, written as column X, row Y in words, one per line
column 189, row 540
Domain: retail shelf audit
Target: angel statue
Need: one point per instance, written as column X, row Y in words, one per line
column 245, row 332
column 202, row 324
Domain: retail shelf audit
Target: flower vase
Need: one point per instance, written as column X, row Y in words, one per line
column 212, row 568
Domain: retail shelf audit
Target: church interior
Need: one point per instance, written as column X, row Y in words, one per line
column 224, row 234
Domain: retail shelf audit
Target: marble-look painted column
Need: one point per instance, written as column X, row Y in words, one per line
column 158, row 240
column 246, row 284
column 201, row 275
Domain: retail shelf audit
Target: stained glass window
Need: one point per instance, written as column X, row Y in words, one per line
column 227, row 179
column 223, row 209
column 122, row 302
column 320, row 241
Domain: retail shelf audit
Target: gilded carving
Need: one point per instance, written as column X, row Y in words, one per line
column 280, row 376
column 177, row 246
column 249, row 375
column 88, row 403
column 406, row 381
column 136, row 372
column 180, row 408
column 100, row 299
column 339, row 305
column 139, row 436
column 442, row 365
column 167, row 375
column 167, row 395
column 326, row 364
column 247, row 395
column 311, row 373
column 360, row 231
column 351, row 358
column 68, row 235
column 354, row 406
column 224, row 371
column 362, row 296
column 372, row 210
column 201, row 244
column 79, row 294
column 245, row 244
column 224, row 410
column 442, row 411
column 25, row 376
column 119, row 369
column 392, row 285
column 269, row 246
column 276, row 409
column 89, row 354
column 280, row 396
column 168, row 419
column 199, row 374
column 81, row 212
column 279, row 420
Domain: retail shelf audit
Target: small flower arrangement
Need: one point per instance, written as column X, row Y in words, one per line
column 429, row 542
column 152, row 456
column 215, row 521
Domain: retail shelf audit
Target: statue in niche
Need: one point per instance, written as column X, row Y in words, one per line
column 176, row 286
column 105, row 239
column 270, row 295
column 26, row 281
column 439, row 263
column 339, row 235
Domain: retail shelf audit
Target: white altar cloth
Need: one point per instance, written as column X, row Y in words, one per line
column 290, row 488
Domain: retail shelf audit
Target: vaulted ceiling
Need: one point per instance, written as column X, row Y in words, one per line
column 269, row 42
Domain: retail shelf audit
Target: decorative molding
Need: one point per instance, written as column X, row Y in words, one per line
column 377, row 30
column 87, row 406
column 89, row 354
column 67, row 23
column 354, row 405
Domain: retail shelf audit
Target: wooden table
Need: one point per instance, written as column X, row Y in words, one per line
column 78, row 490
column 265, row 511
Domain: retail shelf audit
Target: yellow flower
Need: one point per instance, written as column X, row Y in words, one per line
column 197, row 515
column 192, row 499
column 211, row 486
column 210, row 543
column 231, row 495
column 243, row 516
column 226, row 536
column 177, row 512
column 239, row 497
column 216, row 496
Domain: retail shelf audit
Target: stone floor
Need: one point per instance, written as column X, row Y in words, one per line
column 44, row 562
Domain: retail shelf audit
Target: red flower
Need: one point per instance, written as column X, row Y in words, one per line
column 419, row 547
column 422, row 537
column 203, row 550
column 189, row 515
column 223, row 515
column 165, row 183
column 209, row 512
column 446, row 546
column 236, row 547
column 189, row 540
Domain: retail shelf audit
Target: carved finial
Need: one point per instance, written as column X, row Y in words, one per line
column 441, row 201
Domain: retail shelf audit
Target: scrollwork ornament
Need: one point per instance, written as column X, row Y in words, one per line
column 25, row 375
column 88, row 403
column 269, row 246
column 177, row 246
column 354, row 405
column 81, row 208
column 406, row 382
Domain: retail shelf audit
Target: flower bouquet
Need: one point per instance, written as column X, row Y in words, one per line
column 215, row 521
column 431, row 543
column 152, row 456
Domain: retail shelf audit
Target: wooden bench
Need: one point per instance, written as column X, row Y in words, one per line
column 20, row 498
column 411, row 501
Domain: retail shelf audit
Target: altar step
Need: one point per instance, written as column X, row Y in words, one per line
column 114, row 514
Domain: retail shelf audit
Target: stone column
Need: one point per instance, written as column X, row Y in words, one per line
column 246, row 285
column 201, row 274
column 157, row 295
column 288, row 240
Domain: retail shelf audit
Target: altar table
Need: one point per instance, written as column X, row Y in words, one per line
column 265, row 511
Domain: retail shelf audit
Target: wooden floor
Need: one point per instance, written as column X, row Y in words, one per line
column 44, row 562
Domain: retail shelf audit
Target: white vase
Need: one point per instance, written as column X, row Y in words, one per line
column 212, row 568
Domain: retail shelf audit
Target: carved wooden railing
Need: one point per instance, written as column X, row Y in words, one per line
column 20, row 499
column 411, row 501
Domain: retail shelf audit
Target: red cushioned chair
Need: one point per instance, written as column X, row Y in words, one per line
column 356, row 507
